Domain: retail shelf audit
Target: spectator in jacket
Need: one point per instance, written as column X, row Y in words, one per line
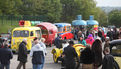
column 82, row 41
column 5, row 56
column 108, row 61
column 90, row 39
column 22, row 54
column 44, row 50
column 87, row 58
column 37, row 55
column 110, row 34
column 70, row 54
column 76, row 30
column 58, row 42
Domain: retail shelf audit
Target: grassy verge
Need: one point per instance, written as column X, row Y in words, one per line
column 8, row 25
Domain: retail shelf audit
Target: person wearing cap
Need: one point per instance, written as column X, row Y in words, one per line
column 22, row 54
column 70, row 54
column 5, row 56
column 82, row 41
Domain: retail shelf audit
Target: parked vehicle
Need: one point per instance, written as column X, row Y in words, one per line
column 49, row 32
column 57, row 53
column 26, row 31
column 64, row 30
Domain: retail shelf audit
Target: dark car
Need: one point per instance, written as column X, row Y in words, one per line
column 115, row 48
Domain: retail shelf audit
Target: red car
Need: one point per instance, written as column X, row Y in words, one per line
column 64, row 30
column 49, row 32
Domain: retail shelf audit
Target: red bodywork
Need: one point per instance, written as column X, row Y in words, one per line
column 64, row 30
column 49, row 32
column 68, row 35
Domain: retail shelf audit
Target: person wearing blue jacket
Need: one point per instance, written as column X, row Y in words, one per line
column 82, row 41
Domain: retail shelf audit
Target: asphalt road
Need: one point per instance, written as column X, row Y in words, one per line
column 49, row 64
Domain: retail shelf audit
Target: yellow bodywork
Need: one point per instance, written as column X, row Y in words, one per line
column 17, row 40
column 58, row 52
column 118, row 60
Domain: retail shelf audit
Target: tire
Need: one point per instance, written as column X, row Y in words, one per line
column 55, row 59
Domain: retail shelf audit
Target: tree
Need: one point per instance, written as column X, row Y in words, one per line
column 7, row 7
column 72, row 8
column 101, row 17
column 51, row 9
column 115, row 18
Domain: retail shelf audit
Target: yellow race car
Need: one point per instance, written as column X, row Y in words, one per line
column 57, row 53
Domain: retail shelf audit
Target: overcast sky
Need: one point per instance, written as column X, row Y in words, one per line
column 111, row 3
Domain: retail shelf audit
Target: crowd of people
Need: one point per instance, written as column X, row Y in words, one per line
column 38, row 53
column 91, row 57
column 95, row 55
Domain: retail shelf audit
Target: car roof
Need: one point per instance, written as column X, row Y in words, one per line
column 62, row 24
column 26, row 28
column 115, row 42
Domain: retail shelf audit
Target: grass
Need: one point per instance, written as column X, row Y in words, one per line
column 7, row 25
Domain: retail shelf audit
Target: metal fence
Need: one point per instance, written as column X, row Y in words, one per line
column 13, row 20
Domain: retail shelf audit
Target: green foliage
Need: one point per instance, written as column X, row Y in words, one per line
column 75, row 7
column 101, row 17
column 52, row 9
column 7, row 6
column 115, row 18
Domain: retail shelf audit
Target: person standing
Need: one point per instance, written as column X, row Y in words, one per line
column 80, row 34
column 76, row 30
column 108, row 61
column 37, row 55
column 97, row 50
column 70, row 54
column 82, row 41
column 22, row 54
column 58, row 42
column 5, row 56
column 87, row 58
column 110, row 34
column 44, row 51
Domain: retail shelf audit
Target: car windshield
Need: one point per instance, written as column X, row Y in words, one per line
column 21, row 33
column 60, row 29
column 116, row 50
